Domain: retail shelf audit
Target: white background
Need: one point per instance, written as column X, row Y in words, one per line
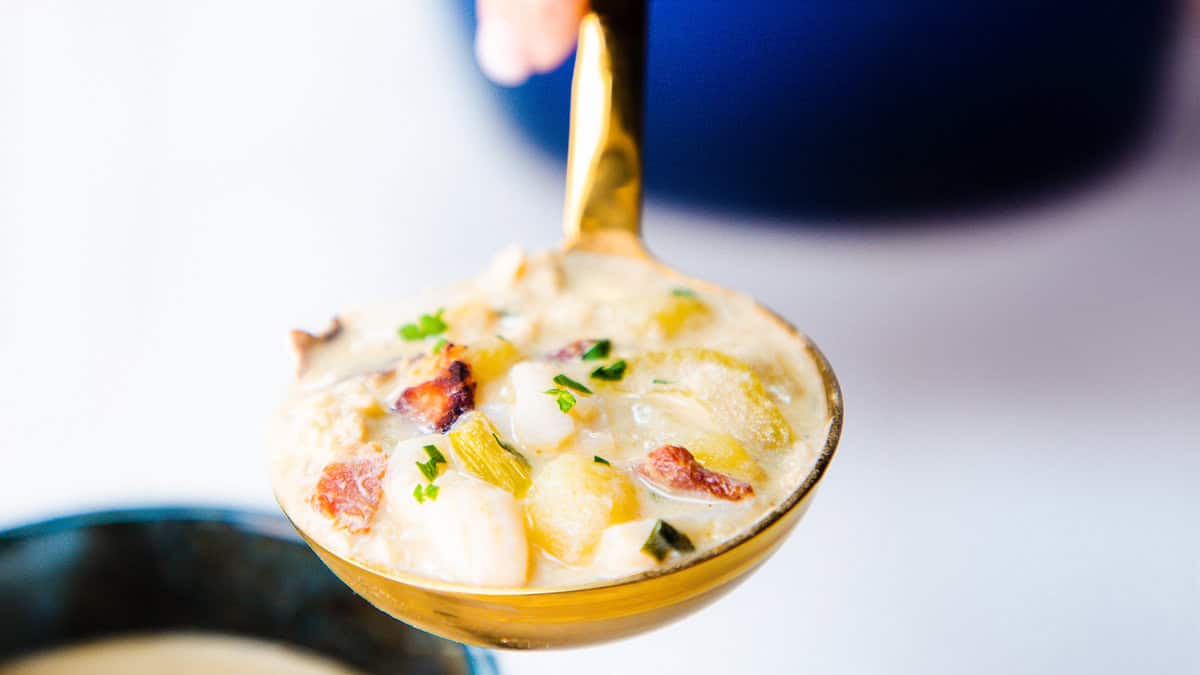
column 1017, row 490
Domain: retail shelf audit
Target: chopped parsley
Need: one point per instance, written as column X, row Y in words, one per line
column 437, row 346
column 502, row 338
column 564, row 398
column 427, row 325
column 600, row 460
column 683, row 292
column 564, row 381
column 613, row 372
column 435, row 454
column 663, row 539
column 598, row 350
column 658, row 381
column 423, row 492
column 510, row 450
column 429, row 468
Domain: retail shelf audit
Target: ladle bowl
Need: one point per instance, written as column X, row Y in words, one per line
column 602, row 215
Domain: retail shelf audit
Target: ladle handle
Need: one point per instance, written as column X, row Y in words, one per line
column 604, row 160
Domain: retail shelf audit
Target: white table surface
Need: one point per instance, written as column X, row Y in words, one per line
column 1019, row 485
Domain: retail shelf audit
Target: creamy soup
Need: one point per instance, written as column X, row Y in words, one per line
column 176, row 654
column 560, row 419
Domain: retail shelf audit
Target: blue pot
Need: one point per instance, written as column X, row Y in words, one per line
column 101, row 574
column 864, row 109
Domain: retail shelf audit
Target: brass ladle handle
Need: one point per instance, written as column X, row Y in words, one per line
column 604, row 158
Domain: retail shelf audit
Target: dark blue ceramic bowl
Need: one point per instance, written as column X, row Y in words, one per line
column 877, row 108
column 88, row 576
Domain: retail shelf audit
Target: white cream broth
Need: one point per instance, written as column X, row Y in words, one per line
column 577, row 494
column 177, row 654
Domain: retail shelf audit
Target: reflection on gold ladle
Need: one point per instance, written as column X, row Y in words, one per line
column 602, row 214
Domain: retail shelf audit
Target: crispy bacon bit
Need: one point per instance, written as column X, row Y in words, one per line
column 349, row 491
column 673, row 467
column 304, row 343
column 572, row 351
column 436, row 403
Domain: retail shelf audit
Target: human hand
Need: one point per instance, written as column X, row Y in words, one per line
column 516, row 38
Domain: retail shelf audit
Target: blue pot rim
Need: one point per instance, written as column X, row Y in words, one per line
column 264, row 523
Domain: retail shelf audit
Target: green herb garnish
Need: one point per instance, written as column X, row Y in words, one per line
column 658, row 381
column 502, row 338
column 600, row 460
column 435, row 454
column 663, row 539
column 683, row 292
column 423, row 492
column 441, row 343
column 510, row 450
column 429, row 469
column 564, row 398
column 427, row 325
column 564, row 381
column 613, row 372
column 598, row 350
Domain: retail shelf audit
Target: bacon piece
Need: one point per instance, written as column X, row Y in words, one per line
column 349, row 491
column 436, row 403
column 303, row 343
column 673, row 467
column 572, row 351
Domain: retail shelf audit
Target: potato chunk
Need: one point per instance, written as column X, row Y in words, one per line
column 676, row 312
column 478, row 447
column 572, row 501
column 491, row 358
column 723, row 453
column 728, row 388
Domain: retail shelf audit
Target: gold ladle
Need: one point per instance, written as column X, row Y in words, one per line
column 603, row 209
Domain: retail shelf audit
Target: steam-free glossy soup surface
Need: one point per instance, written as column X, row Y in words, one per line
column 558, row 420
column 175, row 654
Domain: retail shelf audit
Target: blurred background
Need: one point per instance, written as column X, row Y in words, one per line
column 987, row 215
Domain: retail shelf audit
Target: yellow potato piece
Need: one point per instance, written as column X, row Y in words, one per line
column 476, row 445
column 727, row 387
column 676, row 313
column 571, row 503
column 723, row 453
column 491, row 358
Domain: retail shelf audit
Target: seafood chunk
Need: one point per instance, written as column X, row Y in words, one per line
column 538, row 423
column 471, row 533
column 620, row 553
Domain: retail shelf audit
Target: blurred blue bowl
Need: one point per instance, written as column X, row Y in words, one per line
column 140, row 571
column 865, row 109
